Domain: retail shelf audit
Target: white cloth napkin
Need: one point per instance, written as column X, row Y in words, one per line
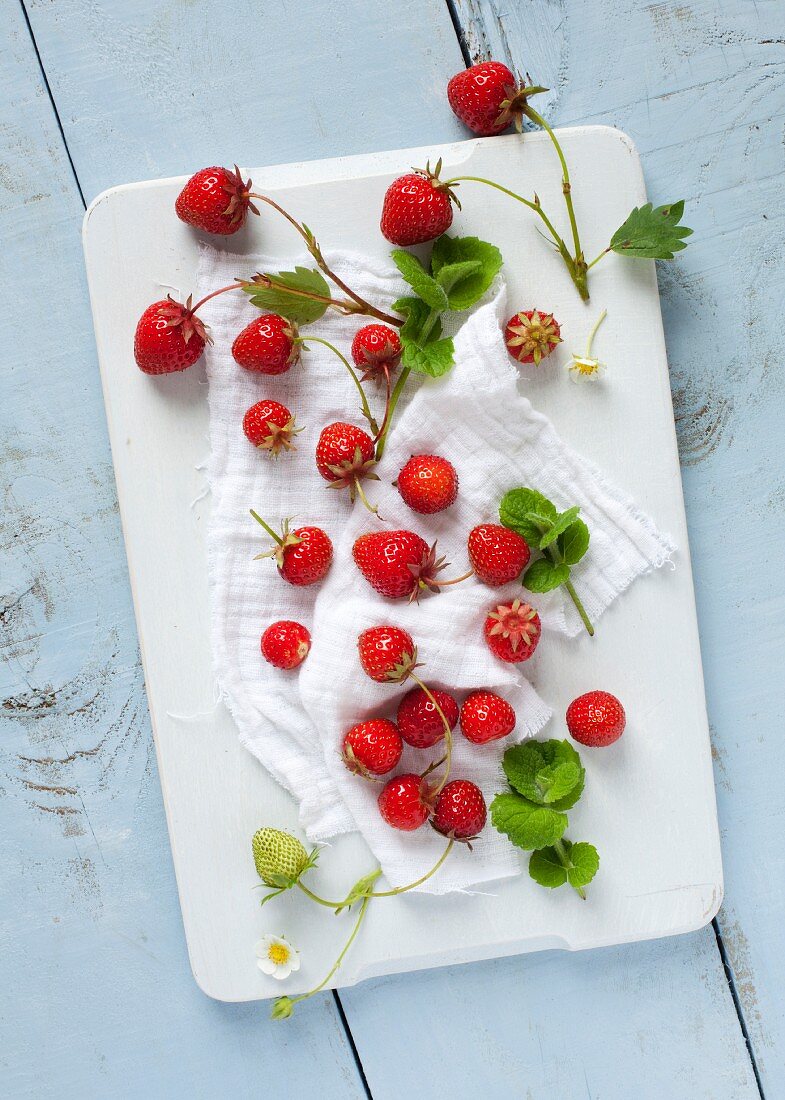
column 294, row 722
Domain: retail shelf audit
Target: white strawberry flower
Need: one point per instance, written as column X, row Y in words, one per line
column 277, row 957
column 585, row 368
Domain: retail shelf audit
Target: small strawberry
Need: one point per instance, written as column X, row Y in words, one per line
column 215, row 200
column 428, row 484
column 513, row 631
column 596, row 719
column 268, row 345
column 487, row 98
column 376, row 348
column 485, row 717
column 530, row 335
column 419, row 722
column 169, row 337
column 399, row 563
column 303, row 556
column 285, row 644
column 344, row 457
column 498, row 555
column 402, row 803
column 417, row 207
column 387, row 654
column 372, row 748
column 270, row 427
column 460, row 810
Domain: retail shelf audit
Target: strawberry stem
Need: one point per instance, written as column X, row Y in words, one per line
column 455, row 580
column 537, row 118
column 304, row 341
column 361, row 494
column 237, row 285
column 417, row 882
column 267, row 528
column 447, row 731
column 399, row 385
column 579, row 608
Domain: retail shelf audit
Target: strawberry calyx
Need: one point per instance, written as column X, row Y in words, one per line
column 531, row 335
column 279, row 437
column 183, row 316
column 513, row 108
column 447, row 186
column 426, row 571
column 516, row 623
column 350, row 472
column 283, row 542
column 239, row 192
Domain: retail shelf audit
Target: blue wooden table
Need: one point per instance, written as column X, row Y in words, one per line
column 99, row 999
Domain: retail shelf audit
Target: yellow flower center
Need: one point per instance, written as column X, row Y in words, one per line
column 278, row 953
column 584, row 366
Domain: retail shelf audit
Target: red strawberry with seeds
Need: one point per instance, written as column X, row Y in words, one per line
column 417, row 208
column 268, row 345
column 498, row 555
column 530, row 335
column 596, row 719
column 302, row 556
column 399, row 563
column 344, row 457
column 419, row 722
column 372, row 748
column 270, row 427
column 485, row 716
column 169, row 337
column 285, row 644
column 376, row 348
column 486, row 97
column 428, row 484
column 215, row 200
column 513, row 631
column 460, row 810
column 387, row 654
column 402, row 803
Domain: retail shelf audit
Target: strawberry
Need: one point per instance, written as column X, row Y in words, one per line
column 387, row 654
column 169, row 337
column 485, row 717
column 270, row 426
column 419, row 722
column 376, row 348
column 460, row 810
column 303, row 556
column 215, row 200
column 344, row 457
column 417, row 208
column 398, row 563
column 402, row 804
column 372, row 748
column 487, row 98
column 513, row 631
column 268, row 345
column 530, row 335
column 428, row 484
column 498, row 555
column 286, row 644
column 596, row 719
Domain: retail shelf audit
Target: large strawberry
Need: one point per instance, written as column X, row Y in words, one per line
column 345, row 457
column 398, row 563
column 169, row 337
column 216, row 200
column 270, row 427
column 417, row 208
column 387, row 654
column 512, row 630
column 596, row 719
column 428, row 484
column 460, row 810
column 486, row 97
column 372, row 747
column 303, row 556
column 485, row 716
column 403, row 802
column 268, row 345
column 498, row 555
column 419, row 722
column 285, row 644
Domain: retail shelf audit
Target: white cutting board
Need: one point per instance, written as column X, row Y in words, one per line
column 649, row 804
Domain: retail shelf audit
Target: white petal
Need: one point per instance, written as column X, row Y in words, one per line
column 282, row 971
column 267, row 966
column 294, row 962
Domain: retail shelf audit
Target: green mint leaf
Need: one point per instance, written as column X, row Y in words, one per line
column 574, row 542
column 415, row 313
column 526, row 824
column 527, row 511
column 546, row 868
column 563, row 521
column 544, row 575
column 585, row 862
column 652, row 232
column 525, row 764
column 452, row 278
column 448, row 251
column 361, row 889
column 557, row 781
column 419, row 280
column 434, row 358
column 293, row 307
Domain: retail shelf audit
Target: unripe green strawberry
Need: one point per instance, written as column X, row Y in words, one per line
column 279, row 857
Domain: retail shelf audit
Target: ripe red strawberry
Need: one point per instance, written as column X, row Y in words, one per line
column 215, row 200
column 286, row 644
column 374, row 348
column 531, row 335
column 402, row 804
column 169, row 337
column 513, row 631
column 268, row 345
column 387, row 654
column 485, row 717
column 460, row 810
column 303, row 556
column 428, row 484
column 596, row 719
column 498, row 555
column 417, row 208
column 486, row 97
column 398, row 563
column 372, row 748
column 270, row 426
column 419, row 722
column 344, row 457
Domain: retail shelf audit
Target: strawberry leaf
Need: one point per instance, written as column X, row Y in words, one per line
column 544, row 575
column 585, row 862
column 547, row 869
column 527, row 511
column 561, row 523
column 574, row 542
column 542, row 770
column 286, row 294
column 430, row 354
column 526, row 824
column 451, row 251
column 419, row 280
column 652, row 232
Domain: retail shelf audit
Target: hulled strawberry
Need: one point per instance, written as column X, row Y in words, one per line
column 417, row 208
column 513, row 631
column 376, row 348
column 399, row 563
column 428, row 484
column 268, row 345
column 460, row 810
column 498, row 555
column 402, row 802
column 531, row 335
column 372, row 748
column 485, row 716
column 344, row 457
column 303, row 556
column 387, row 654
column 419, row 722
column 486, row 98
column 169, row 337
column 216, row 200
column 270, row 427
column 285, row 644
column 596, row 719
